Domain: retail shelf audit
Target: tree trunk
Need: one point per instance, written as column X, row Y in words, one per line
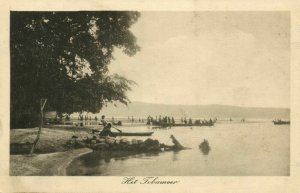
column 42, row 105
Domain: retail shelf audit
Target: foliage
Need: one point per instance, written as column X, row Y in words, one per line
column 64, row 57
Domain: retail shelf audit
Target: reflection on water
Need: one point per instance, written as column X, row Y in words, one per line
column 230, row 149
column 174, row 158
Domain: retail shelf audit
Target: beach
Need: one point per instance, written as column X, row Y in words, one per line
column 52, row 156
column 49, row 164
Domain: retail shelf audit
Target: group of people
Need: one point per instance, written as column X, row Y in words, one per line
column 204, row 122
column 161, row 120
column 85, row 117
column 132, row 120
column 170, row 120
column 184, row 120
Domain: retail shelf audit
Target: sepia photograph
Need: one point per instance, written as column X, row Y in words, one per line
column 149, row 93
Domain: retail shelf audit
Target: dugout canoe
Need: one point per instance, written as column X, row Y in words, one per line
column 281, row 122
column 157, row 125
column 133, row 133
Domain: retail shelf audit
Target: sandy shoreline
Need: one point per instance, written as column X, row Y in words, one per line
column 51, row 158
column 50, row 164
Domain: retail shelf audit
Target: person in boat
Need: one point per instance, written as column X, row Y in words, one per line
column 185, row 121
column 107, row 131
column 210, row 121
column 190, row 121
column 149, row 120
column 103, row 121
column 173, row 120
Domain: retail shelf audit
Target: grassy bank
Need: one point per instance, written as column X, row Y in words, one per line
column 51, row 156
column 51, row 140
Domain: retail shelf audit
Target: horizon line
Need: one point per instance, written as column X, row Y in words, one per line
column 210, row 105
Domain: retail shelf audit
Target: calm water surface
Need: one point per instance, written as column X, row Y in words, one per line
column 250, row 148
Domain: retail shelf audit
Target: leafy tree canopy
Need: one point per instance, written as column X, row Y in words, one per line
column 64, row 57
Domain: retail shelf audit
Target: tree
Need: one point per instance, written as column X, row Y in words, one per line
column 63, row 57
column 42, row 106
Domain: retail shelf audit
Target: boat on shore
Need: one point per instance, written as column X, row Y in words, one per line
column 132, row 133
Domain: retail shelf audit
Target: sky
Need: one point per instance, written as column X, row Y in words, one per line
column 227, row 58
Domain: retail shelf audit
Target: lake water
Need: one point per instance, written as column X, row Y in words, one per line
column 251, row 149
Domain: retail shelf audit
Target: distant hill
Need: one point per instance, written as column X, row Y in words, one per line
column 141, row 109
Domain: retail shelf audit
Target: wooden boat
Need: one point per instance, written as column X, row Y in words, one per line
column 133, row 133
column 279, row 122
column 157, row 125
